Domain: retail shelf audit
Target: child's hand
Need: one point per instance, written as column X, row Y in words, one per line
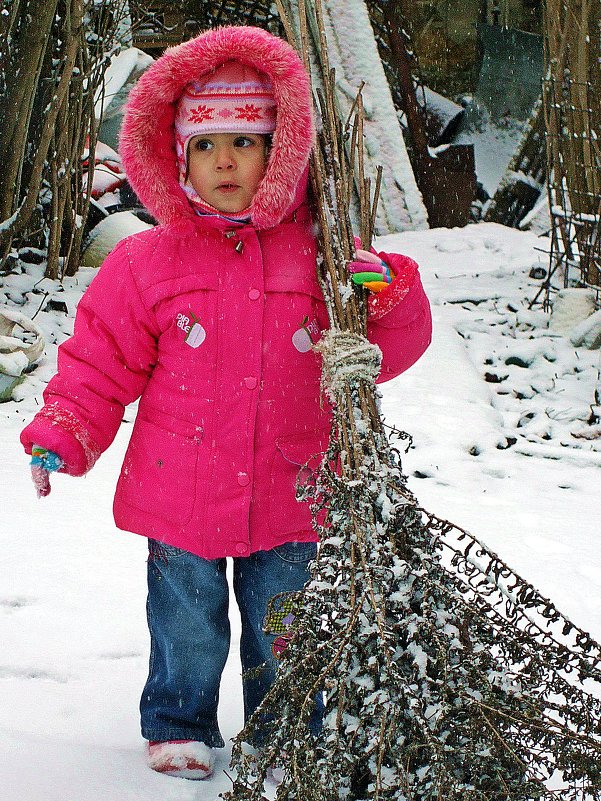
column 43, row 463
column 370, row 271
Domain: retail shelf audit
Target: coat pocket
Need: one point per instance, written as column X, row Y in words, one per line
column 286, row 514
column 159, row 473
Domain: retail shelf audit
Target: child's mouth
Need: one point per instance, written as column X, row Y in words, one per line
column 227, row 187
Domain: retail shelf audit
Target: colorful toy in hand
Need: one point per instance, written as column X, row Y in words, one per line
column 43, row 462
column 370, row 271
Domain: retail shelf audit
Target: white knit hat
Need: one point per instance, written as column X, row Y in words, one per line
column 233, row 98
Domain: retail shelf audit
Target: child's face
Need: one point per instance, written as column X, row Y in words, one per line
column 225, row 169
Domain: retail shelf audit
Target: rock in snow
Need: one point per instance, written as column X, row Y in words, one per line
column 570, row 308
column 108, row 233
column 588, row 332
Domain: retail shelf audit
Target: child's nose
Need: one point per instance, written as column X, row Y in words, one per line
column 224, row 159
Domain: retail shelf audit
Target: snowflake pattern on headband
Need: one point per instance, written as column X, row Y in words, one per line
column 248, row 112
column 200, row 113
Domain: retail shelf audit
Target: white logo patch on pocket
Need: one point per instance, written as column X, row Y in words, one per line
column 195, row 332
column 306, row 336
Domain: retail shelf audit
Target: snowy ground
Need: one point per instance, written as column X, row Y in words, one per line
column 494, row 143
column 495, row 454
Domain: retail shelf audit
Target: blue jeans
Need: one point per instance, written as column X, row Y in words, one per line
column 190, row 634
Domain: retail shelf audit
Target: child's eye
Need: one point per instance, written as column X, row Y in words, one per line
column 203, row 144
column 243, row 141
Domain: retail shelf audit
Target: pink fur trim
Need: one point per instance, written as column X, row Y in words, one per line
column 58, row 415
column 147, row 135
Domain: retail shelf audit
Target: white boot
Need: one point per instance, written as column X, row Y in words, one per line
column 187, row 759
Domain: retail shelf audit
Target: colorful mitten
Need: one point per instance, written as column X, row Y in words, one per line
column 43, row 463
column 370, row 271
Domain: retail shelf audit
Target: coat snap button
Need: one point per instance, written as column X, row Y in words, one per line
column 250, row 382
column 243, row 479
column 241, row 547
column 254, row 294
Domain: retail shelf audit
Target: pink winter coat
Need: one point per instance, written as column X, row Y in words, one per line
column 210, row 324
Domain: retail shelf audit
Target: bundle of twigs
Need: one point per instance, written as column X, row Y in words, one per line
column 445, row 675
column 54, row 56
column 573, row 121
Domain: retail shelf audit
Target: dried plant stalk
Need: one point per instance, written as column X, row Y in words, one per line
column 573, row 121
column 56, row 56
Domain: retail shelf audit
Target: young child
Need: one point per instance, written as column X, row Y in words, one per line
column 209, row 318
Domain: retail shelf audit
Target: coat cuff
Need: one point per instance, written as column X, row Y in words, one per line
column 58, row 429
column 405, row 269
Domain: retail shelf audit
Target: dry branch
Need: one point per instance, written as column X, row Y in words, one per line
column 56, row 56
column 573, row 121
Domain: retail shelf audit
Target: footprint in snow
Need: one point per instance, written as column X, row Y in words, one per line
column 120, row 655
column 17, row 602
column 31, row 673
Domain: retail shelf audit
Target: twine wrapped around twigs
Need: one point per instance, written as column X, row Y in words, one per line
column 347, row 358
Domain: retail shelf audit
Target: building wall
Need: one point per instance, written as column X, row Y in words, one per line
column 445, row 35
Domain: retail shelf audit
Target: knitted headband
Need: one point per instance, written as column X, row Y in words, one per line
column 232, row 98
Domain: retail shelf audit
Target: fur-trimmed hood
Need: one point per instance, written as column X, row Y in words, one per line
column 147, row 137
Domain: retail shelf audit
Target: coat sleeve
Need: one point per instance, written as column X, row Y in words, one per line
column 399, row 318
column 104, row 366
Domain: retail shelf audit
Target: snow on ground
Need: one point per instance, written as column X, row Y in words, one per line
column 495, row 143
column 495, row 454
